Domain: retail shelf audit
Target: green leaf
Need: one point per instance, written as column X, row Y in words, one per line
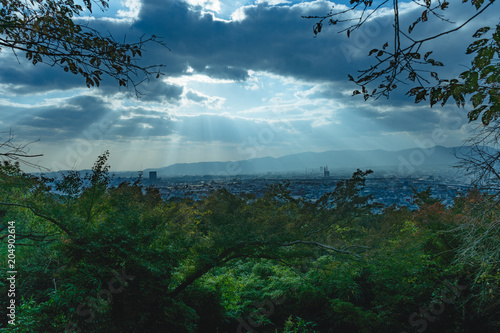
column 477, row 99
column 484, row 57
column 474, row 114
column 434, row 62
column 487, row 70
column 435, row 95
column 414, row 55
column 477, row 3
column 476, row 45
column 471, row 82
column 420, row 96
column 488, row 116
column 412, row 26
column 481, row 32
column 424, row 16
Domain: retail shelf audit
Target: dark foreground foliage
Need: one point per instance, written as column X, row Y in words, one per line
column 96, row 258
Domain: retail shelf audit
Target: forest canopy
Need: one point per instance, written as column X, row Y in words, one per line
column 98, row 258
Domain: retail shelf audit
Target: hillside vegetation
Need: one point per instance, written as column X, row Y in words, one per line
column 96, row 258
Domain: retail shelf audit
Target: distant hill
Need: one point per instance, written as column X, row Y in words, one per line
column 403, row 161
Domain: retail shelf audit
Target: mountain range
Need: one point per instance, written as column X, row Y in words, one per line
column 403, row 162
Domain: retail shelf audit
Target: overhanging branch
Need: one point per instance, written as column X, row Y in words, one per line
column 39, row 214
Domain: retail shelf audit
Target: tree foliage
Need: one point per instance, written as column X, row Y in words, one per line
column 480, row 84
column 169, row 247
column 405, row 60
column 101, row 258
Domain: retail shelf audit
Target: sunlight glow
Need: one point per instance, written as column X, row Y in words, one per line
column 133, row 9
column 199, row 78
column 213, row 5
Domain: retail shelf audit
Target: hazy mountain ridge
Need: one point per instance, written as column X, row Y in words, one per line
column 402, row 162
column 405, row 161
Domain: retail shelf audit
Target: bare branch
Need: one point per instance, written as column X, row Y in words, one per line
column 17, row 152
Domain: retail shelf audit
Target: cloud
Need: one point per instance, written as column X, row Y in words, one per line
column 227, row 80
column 133, row 9
column 69, row 119
column 212, row 5
column 159, row 91
column 196, row 97
column 65, row 118
column 141, row 127
column 25, row 79
column 211, row 102
column 226, row 72
column 274, row 39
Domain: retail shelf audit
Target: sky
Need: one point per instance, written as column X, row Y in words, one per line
column 243, row 79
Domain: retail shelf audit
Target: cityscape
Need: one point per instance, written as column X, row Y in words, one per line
column 384, row 187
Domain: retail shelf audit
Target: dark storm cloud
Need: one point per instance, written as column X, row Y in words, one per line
column 72, row 116
column 401, row 120
column 76, row 116
column 417, row 119
column 365, row 121
column 158, row 91
column 271, row 38
column 274, row 39
column 278, row 40
column 226, row 72
column 26, row 79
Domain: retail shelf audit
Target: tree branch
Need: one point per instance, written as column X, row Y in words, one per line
column 231, row 253
column 39, row 214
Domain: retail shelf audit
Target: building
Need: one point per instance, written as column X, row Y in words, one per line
column 326, row 173
column 152, row 175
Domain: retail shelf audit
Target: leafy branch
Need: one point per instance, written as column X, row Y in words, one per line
column 394, row 65
column 46, row 31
